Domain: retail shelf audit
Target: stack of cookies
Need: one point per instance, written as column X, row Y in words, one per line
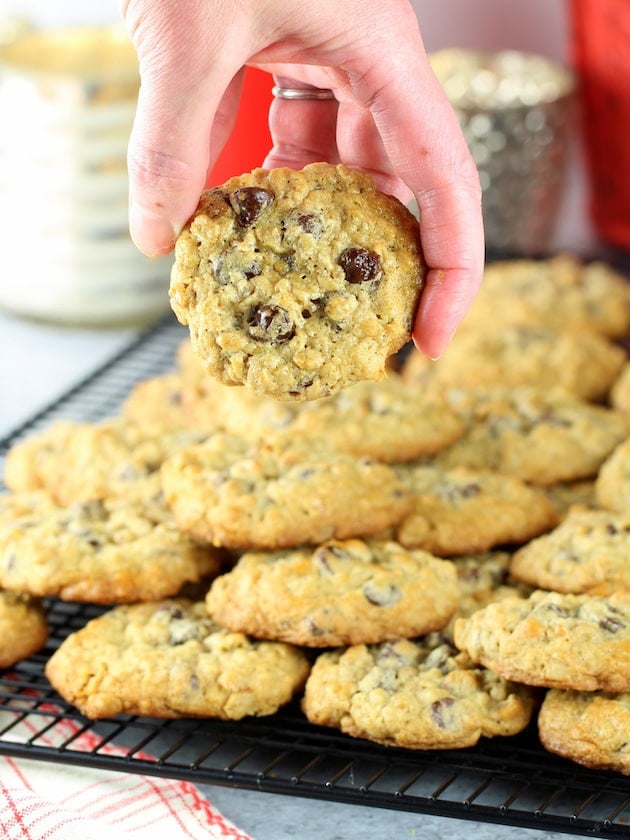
column 422, row 560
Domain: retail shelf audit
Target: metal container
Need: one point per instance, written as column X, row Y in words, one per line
column 517, row 113
column 67, row 103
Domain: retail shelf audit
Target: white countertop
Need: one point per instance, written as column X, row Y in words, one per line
column 39, row 362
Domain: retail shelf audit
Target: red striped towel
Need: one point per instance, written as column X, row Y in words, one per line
column 49, row 801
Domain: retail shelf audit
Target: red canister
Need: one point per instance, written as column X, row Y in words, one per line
column 601, row 56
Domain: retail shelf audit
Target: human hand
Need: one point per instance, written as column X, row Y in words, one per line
column 390, row 118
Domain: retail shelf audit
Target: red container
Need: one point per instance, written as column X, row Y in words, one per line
column 601, row 57
column 250, row 140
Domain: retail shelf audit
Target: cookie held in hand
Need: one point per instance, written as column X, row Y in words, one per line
column 298, row 283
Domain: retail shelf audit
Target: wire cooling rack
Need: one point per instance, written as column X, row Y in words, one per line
column 510, row 781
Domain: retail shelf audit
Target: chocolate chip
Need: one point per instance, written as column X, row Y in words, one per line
column 439, row 710
column 361, row 266
column 611, row 624
column 248, row 203
column 310, row 223
column 271, row 323
column 252, row 270
column 382, row 596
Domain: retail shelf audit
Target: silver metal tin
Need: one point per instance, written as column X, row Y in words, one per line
column 517, row 113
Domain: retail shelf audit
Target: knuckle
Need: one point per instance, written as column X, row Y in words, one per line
column 153, row 170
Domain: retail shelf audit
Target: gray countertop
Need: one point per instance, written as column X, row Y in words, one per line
column 37, row 363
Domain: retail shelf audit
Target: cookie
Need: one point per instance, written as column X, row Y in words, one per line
column 540, row 437
column 561, row 292
column 587, row 551
column 279, row 493
column 619, row 396
column 565, row 495
column 169, row 402
column 79, row 462
column 419, row 694
column 483, row 578
column 170, row 660
column 461, row 511
column 99, row 552
column 612, row 485
column 553, row 639
column 298, row 283
column 582, row 363
column 339, row 593
column 590, row 728
column 23, row 627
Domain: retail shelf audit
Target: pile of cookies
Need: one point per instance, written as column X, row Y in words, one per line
column 423, row 561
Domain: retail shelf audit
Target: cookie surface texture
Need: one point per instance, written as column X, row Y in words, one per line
column 298, row 283
column 590, row 728
column 344, row 592
column 98, row 552
column 23, row 627
column 419, row 694
column 170, row 660
column 553, row 640
column 279, row 493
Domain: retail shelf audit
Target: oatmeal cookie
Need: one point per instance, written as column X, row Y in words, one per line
column 561, row 292
column 23, row 627
column 461, row 511
column 279, row 493
column 587, row 551
column 420, row 694
column 339, row 593
column 170, row 660
column 540, row 437
column 553, row 639
column 99, row 552
column 580, row 362
column 298, row 283
column 588, row 727
column 612, row 485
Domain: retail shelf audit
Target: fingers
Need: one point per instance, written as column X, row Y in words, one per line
column 182, row 87
column 302, row 131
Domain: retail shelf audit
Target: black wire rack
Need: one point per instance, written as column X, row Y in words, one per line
column 510, row 781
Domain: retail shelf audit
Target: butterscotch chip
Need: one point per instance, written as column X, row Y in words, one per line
column 419, row 694
column 276, row 494
column 553, row 639
column 590, row 728
column 99, row 552
column 170, row 660
column 339, row 593
column 461, row 511
column 298, row 283
column 589, row 549
column 23, row 627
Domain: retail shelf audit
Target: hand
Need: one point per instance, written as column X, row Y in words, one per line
column 391, row 118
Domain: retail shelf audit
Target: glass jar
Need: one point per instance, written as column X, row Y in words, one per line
column 67, row 103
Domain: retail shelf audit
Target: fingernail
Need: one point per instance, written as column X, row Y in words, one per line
column 152, row 234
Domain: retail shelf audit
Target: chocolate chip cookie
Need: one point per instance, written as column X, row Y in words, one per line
column 588, row 727
column 170, row 660
column 339, row 593
column 588, row 550
column 420, row 694
column 103, row 552
column 462, row 511
column 279, row 493
column 553, row 639
column 298, row 283
column 23, row 627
